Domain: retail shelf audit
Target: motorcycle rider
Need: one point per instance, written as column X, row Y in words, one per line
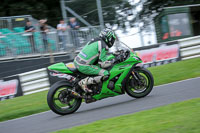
column 92, row 59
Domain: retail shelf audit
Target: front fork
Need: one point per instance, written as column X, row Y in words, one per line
column 136, row 79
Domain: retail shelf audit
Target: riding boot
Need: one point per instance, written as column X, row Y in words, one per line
column 88, row 81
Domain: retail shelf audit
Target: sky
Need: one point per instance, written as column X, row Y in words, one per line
column 132, row 37
column 134, row 40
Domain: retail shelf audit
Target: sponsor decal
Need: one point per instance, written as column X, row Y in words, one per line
column 55, row 77
column 19, row 19
column 83, row 54
column 8, row 88
column 61, row 75
column 160, row 55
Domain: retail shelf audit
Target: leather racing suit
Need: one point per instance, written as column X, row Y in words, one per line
column 91, row 60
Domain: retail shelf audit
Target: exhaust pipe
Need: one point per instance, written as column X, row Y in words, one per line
column 75, row 94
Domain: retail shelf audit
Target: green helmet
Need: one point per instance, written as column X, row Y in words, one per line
column 108, row 36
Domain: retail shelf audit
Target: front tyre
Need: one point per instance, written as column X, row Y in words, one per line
column 139, row 83
column 60, row 101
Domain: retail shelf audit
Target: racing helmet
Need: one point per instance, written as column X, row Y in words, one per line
column 108, row 36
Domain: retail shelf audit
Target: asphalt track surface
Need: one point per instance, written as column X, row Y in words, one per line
column 110, row 107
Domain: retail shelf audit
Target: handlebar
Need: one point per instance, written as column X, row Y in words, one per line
column 122, row 55
column 125, row 54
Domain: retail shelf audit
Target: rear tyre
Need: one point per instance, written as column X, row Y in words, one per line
column 60, row 101
column 139, row 87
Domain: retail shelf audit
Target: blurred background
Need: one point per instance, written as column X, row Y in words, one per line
column 35, row 34
column 55, row 30
column 137, row 23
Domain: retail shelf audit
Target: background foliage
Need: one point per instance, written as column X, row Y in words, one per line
column 114, row 11
column 50, row 9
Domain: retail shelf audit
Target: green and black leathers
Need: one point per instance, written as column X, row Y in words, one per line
column 92, row 58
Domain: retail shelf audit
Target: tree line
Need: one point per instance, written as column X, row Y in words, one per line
column 114, row 11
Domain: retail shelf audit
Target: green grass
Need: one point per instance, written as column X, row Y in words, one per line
column 182, row 117
column 176, row 71
column 23, row 106
column 36, row 103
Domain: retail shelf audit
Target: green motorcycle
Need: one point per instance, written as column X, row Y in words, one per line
column 126, row 76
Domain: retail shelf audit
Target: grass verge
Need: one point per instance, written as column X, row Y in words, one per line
column 182, row 117
column 23, row 106
column 36, row 103
column 176, row 71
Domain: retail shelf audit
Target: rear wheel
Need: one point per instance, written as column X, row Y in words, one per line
column 139, row 83
column 60, row 101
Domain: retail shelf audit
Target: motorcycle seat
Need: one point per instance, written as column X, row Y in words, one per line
column 71, row 67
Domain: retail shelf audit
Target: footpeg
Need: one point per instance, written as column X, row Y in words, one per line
column 89, row 99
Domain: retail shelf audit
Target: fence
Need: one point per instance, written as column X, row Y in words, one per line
column 14, row 21
column 78, row 38
column 13, row 44
column 17, row 42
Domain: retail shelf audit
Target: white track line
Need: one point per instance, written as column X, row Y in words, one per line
column 24, row 117
column 177, row 82
column 49, row 110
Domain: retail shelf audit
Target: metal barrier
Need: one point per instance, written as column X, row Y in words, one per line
column 14, row 21
column 34, row 81
column 78, row 38
column 190, row 47
column 17, row 42
column 14, row 44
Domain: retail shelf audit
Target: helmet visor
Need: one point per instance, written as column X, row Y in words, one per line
column 111, row 42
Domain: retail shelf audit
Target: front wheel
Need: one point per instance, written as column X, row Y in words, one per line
column 139, row 83
column 60, row 101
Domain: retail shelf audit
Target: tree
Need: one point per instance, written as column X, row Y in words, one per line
column 39, row 9
column 114, row 11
